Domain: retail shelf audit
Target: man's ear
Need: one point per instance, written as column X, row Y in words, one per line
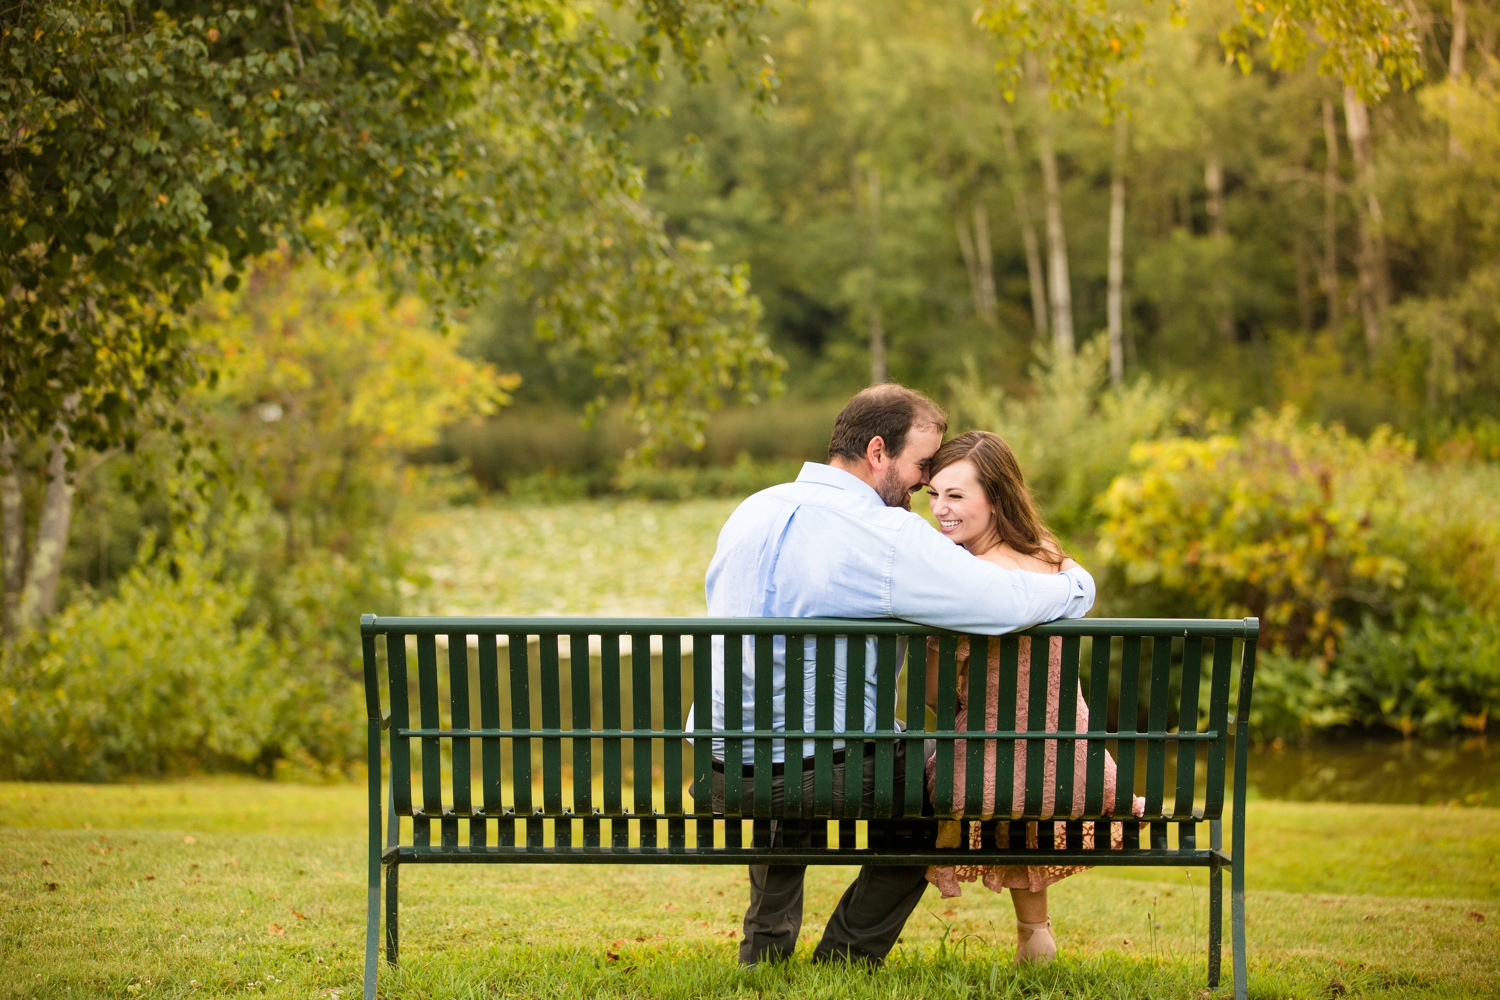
column 876, row 454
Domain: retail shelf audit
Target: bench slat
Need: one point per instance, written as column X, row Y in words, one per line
column 1129, row 721
column 1067, row 722
column 395, row 655
column 854, row 724
column 582, row 691
column 1036, row 722
column 823, row 674
column 703, row 717
column 1006, row 717
column 796, row 721
column 432, row 762
column 916, row 721
column 1093, row 792
column 640, row 713
column 977, row 699
column 551, row 683
column 947, row 711
column 671, row 751
column 765, row 686
column 734, row 747
column 609, row 689
column 458, row 714
column 1187, row 721
column 489, row 715
column 887, row 666
column 1218, row 722
column 1156, row 752
column 520, row 750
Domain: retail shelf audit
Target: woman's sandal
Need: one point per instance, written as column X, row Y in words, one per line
column 1037, row 948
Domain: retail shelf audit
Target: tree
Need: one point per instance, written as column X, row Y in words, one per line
column 150, row 144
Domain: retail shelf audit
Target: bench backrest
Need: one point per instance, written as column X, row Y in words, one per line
column 494, row 722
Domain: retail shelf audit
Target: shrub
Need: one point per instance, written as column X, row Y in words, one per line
column 1440, row 670
column 186, row 668
column 1283, row 522
column 161, row 678
column 1374, row 575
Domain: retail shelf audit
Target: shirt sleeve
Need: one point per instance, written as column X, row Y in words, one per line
column 937, row 583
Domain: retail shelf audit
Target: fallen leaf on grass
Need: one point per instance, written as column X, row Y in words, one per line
column 46, row 862
column 189, row 840
column 150, row 878
column 51, row 886
column 299, row 914
column 611, row 956
column 276, row 930
column 1475, row 916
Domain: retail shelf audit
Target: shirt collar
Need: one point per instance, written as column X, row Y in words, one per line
column 827, row 475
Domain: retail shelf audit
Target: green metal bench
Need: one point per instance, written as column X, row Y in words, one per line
column 495, row 735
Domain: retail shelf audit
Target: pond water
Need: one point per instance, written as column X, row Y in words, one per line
column 1416, row 772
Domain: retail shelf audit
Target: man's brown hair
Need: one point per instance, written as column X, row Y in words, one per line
column 887, row 411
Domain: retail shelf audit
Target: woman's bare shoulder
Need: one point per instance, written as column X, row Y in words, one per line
column 1020, row 560
column 1003, row 556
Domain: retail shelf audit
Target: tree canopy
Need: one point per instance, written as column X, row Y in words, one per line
column 148, row 145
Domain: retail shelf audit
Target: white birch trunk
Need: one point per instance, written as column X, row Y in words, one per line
column 1213, row 179
column 39, row 595
column 1456, row 48
column 1330, row 275
column 1374, row 293
column 988, row 310
column 12, row 533
column 1035, row 276
column 1059, row 286
column 1115, row 305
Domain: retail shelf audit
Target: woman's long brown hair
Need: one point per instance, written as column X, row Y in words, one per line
column 1018, row 522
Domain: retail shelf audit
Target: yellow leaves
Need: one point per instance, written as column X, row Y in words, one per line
column 213, row 34
column 1284, row 522
column 334, row 350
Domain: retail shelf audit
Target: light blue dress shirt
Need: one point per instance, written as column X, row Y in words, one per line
column 827, row 546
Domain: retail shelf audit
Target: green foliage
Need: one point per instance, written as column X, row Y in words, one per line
column 148, row 143
column 552, row 445
column 1083, row 47
column 738, row 479
column 171, row 675
column 1441, row 670
column 1073, row 434
column 1372, row 574
column 1367, row 44
column 1282, row 522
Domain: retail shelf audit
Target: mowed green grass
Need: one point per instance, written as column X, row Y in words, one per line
column 247, row 889
column 582, row 557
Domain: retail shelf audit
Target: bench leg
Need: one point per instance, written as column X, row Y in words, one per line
column 1215, row 924
column 372, row 937
column 1237, row 919
column 1215, row 905
column 392, row 910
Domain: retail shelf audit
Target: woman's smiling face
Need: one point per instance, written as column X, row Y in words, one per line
column 963, row 511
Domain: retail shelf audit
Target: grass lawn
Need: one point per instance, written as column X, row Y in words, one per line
column 240, row 888
column 583, row 557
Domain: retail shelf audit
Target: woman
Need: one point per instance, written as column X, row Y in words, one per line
column 982, row 502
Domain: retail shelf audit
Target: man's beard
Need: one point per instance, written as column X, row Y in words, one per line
column 893, row 492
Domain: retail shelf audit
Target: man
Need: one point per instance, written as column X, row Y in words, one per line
column 842, row 542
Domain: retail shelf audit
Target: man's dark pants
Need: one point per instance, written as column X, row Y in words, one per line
column 869, row 917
